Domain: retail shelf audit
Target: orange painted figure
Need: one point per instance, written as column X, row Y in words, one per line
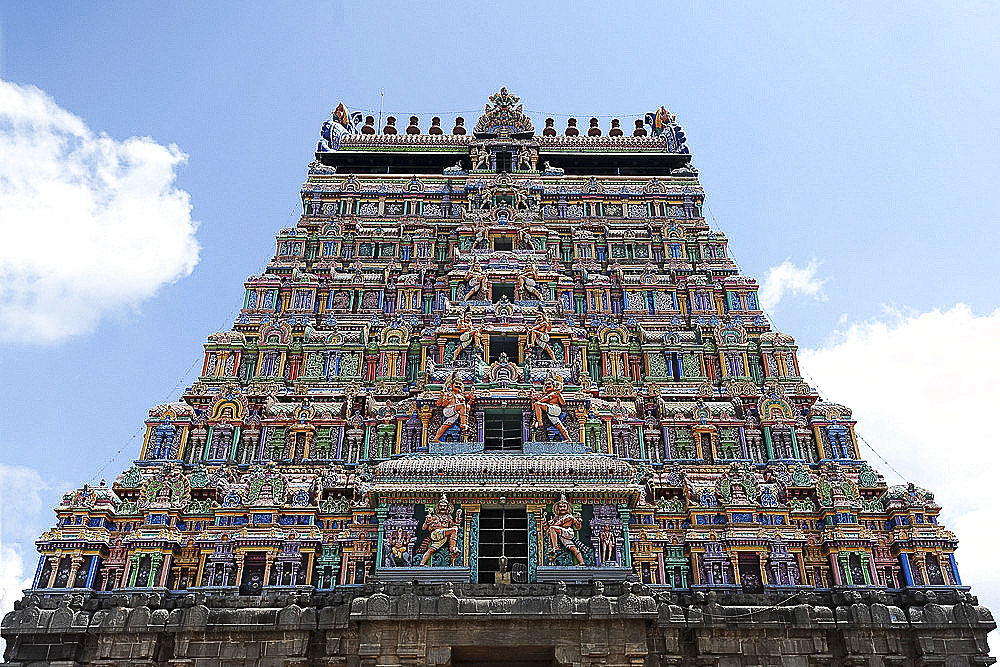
column 455, row 404
column 444, row 530
column 550, row 402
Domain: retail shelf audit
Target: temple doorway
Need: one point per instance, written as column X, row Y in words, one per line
column 509, row 656
column 252, row 580
column 502, row 532
column 749, row 565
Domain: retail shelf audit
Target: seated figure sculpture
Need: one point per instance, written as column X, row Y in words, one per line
column 444, row 530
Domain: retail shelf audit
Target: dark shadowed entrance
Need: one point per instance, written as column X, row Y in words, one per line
column 509, row 656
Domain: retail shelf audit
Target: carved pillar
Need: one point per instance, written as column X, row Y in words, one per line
column 835, row 570
column 844, row 561
column 133, row 569
column 382, row 511
column 625, row 513
column 535, row 516
column 581, row 421
column 424, row 412
column 155, row 561
column 75, row 562
column 268, row 564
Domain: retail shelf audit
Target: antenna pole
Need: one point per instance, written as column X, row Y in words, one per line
column 380, row 100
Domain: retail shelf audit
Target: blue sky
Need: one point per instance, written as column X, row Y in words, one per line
column 853, row 146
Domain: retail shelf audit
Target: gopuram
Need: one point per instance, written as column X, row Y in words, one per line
column 501, row 397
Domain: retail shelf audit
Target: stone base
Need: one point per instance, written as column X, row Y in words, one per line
column 581, row 575
column 447, row 624
column 425, row 575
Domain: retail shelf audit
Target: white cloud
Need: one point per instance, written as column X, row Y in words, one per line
column 90, row 225
column 21, row 521
column 787, row 278
column 923, row 387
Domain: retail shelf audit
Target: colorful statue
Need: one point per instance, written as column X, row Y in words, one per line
column 455, row 405
column 551, row 402
column 609, row 544
column 561, row 530
column 475, row 278
column 482, row 239
column 521, row 198
column 399, row 548
column 444, row 530
column 528, row 283
column 469, row 335
column 524, row 239
column 539, row 333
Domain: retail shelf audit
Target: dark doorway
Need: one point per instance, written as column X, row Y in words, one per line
column 503, row 243
column 749, row 565
column 501, row 290
column 252, row 581
column 502, row 532
column 706, row 448
column 506, row 344
column 503, row 432
column 509, row 656
column 505, row 161
column 300, row 447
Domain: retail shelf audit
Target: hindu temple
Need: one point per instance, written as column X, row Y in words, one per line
column 500, row 397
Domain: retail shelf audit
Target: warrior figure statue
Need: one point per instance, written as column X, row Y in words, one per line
column 444, row 530
column 528, row 283
column 469, row 335
column 475, row 278
column 538, row 335
column 455, row 405
column 551, row 402
column 561, row 530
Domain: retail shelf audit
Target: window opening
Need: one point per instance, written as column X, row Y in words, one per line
column 503, row 432
column 502, row 532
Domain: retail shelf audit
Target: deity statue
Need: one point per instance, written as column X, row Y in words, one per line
column 469, row 335
column 482, row 238
column 482, row 158
column 444, row 529
column 609, row 544
column 454, row 402
column 486, row 198
column 551, row 402
column 538, row 334
column 524, row 239
column 475, row 278
column 399, row 548
column 521, row 198
column 528, row 283
column 561, row 530
column 524, row 158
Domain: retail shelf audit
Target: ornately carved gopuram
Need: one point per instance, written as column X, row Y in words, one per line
column 500, row 397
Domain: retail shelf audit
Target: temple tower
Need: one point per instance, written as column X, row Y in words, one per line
column 500, row 395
